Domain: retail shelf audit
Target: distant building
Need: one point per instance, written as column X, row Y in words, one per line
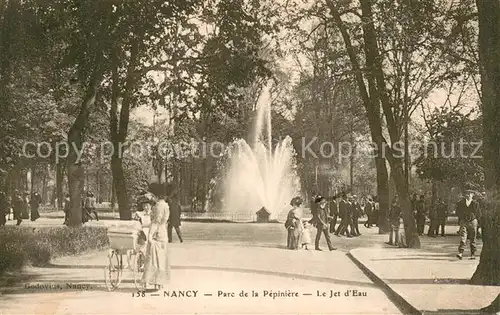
column 263, row 215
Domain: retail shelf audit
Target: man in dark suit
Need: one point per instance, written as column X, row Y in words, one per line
column 420, row 214
column 174, row 220
column 345, row 216
column 369, row 213
column 3, row 208
column 467, row 212
column 356, row 213
column 18, row 205
column 334, row 212
column 442, row 216
column 314, row 208
column 322, row 223
column 35, row 202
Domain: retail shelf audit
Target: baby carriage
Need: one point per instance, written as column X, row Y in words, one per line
column 125, row 238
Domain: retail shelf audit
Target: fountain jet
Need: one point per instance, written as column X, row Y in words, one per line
column 259, row 175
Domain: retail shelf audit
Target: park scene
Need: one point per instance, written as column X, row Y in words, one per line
column 257, row 157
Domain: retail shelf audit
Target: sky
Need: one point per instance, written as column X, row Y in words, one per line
column 289, row 64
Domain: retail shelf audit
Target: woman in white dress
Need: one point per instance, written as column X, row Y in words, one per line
column 142, row 216
column 157, row 267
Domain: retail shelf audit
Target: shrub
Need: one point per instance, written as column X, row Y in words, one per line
column 20, row 246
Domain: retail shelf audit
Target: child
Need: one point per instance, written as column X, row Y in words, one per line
column 306, row 235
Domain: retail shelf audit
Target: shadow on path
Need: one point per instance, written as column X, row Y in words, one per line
column 279, row 274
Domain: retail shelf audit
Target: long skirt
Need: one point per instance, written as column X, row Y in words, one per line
column 34, row 214
column 157, row 267
column 293, row 239
column 25, row 213
column 3, row 213
column 402, row 243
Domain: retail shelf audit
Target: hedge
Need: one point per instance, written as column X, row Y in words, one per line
column 21, row 246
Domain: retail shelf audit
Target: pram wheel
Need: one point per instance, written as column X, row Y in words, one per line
column 139, row 265
column 113, row 270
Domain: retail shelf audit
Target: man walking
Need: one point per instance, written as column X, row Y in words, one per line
column 174, row 220
column 3, row 208
column 314, row 208
column 420, row 210
column 442, row 216
column 18, row 205
column 432, row 221
column 356, row 212
column 467, row 212
column 376, row 211
column 369, row 213
column 344, row 216
column 334, row 212
column 35, row 202
column 322, row 223
column 394, row 218
column 67, row 209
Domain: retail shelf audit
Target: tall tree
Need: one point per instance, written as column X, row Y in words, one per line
column 374, row 95
column 452, row 156
column 489, row 53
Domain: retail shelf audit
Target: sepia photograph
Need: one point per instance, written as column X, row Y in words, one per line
column 249, row 157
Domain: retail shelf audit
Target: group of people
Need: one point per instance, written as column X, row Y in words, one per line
column 437, row 215
column 468, row 211
column 88, row 207
column 158, row 215
column 349, row 209
column 145, row 201
column 21, row 205
column 325, row 214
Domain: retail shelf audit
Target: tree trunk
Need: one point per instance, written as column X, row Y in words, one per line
column 412, row 238
column 489, row 53
column 113, row 195
column 76, row 183
column 166, row 171
column 59, row 185
column 119, row 129
column 98, row 185
column 434, row 196
column 121, row 188
column 44, row 184
column 32, row 180
column 75, row 140
column 407, row 149
column 383, row 195
column 379, row 94
column 487, row 271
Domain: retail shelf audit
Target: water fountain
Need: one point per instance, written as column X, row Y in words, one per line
column 255, row 175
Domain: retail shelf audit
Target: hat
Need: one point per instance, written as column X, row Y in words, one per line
column 320, row 199
column 157, row 189
column 296, row 201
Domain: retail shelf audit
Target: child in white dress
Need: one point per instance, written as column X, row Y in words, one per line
column 306, row 235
